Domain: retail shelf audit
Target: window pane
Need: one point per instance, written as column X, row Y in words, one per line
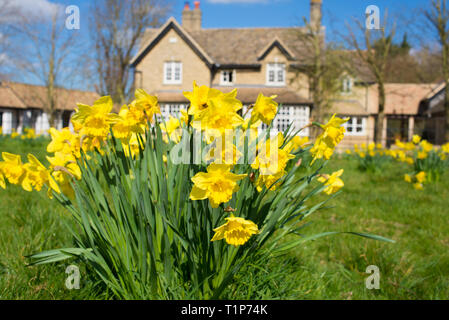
column 280, row 76
column 168, row 71
column 177, row 71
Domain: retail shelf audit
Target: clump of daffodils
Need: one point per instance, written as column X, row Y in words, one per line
column 186, row 200
column 424, row 157
column 27, row 134
column 371, row 157
column 417, row 180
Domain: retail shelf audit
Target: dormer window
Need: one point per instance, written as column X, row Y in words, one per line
column 276, row 74
column 227, row 77
column 173, row 72
column 346, row 85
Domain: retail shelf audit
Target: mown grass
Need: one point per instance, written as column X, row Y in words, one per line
column 415, row 267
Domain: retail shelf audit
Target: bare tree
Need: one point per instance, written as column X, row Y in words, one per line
column 437, row 15
column 48, row 55
column 373, row 49
column 117, row 27
column 322, row 64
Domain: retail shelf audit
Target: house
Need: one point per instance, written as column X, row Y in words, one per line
column 432, row 114
column 402, row 109
column 253, row 60
column 404, row 117
column 21, row 106
column 266, row 60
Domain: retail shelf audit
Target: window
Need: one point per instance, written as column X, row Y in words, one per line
column 296, row 115
column 346, row 85
column 276, row 74
column 173, row 72
column 227, row 77
column 170, row 109
column 355, row 126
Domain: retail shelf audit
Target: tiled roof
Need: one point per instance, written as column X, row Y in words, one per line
column 235, row 46
column 405, row 98
column 348, row 108
column 21, row 95
column 9, row 100
column 244, row 45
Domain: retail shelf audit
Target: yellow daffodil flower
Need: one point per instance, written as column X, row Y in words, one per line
column 220, row 115
column 416, row 139
column 64, row 141
column 96, row 119
column 426, row 146
column 332, row 134
column 296, row 142
column 236, row 231
column 408, row 178
column 418, row 186
column 36, row 174
column 271, row 164
column 264, row 109
column 12, row 167
column 421, row 177
column 172, row 130
column 148, row 103
column 333, row 182
column 132, row 120
column 199, row 98
column 132, row 145
column 269, row 181
column 217, row 185
column 422, row 155
column 445, row 148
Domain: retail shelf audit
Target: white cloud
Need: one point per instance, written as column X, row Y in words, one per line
column 42, row 9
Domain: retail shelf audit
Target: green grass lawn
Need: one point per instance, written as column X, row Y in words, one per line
column 415, row 267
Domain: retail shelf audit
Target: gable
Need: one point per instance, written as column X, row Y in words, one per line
column 158, row 36
column 278, row 44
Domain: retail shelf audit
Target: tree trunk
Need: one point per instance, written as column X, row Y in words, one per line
column 52, row 118
column 381, row 115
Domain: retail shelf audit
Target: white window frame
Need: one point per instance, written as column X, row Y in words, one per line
column 224, row 80
column 276, row 67
column 172, row 65
column 297, row 115
column 352, row 122
column 346, row 85
column 171, row 109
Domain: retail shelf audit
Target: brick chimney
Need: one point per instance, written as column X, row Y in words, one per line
column 191, row 19
column 315, row 14
column 187, row 15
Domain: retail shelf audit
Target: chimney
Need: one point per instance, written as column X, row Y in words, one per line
column 191, row 19
column 315, row 14
column 187, row 16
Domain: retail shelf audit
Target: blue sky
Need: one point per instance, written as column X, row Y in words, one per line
column 270, row 13
column 262, row 13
